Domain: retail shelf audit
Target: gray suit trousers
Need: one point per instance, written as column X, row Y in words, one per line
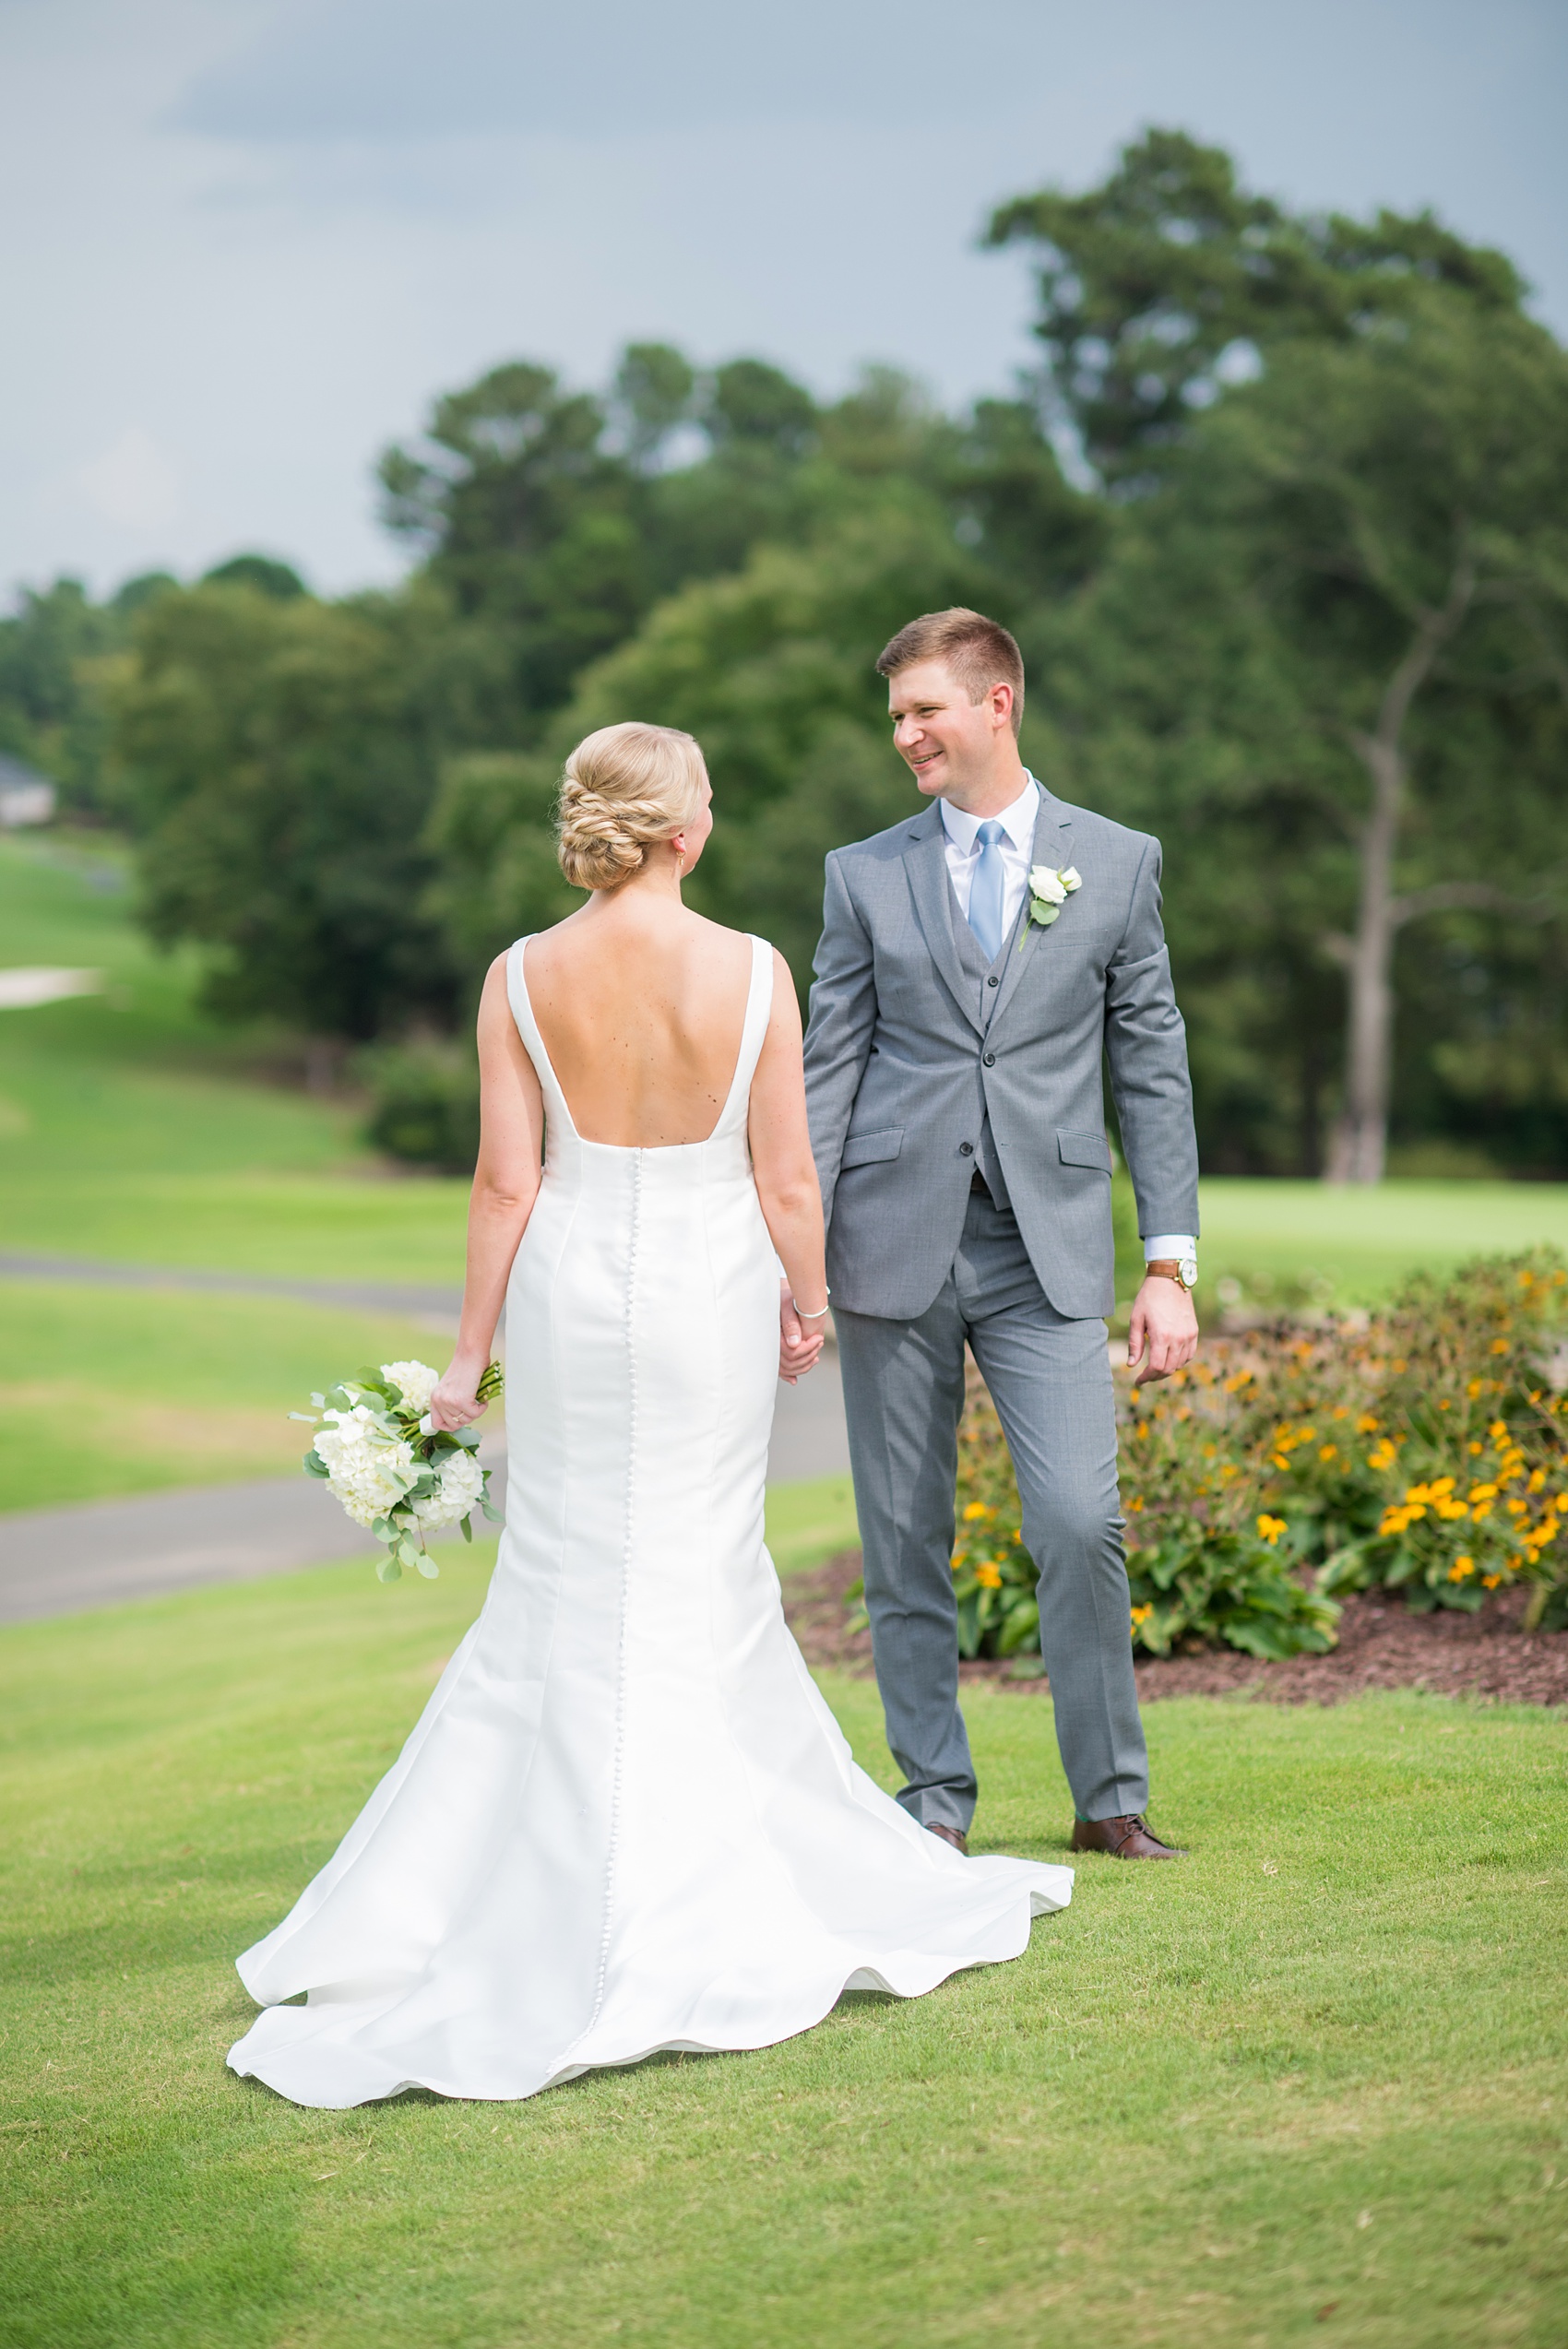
column 1049, row 1379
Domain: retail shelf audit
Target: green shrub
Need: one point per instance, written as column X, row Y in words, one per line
column 424, row 1100
column 1423, row 1448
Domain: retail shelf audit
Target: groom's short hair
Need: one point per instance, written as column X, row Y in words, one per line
column 979, row 652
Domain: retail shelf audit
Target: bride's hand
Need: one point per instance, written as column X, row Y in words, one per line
column 454, row 1403
column 799, row 1346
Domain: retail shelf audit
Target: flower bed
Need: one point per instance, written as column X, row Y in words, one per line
column 1423, row 1448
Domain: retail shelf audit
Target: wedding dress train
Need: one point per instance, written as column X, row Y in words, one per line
column 626, row 1819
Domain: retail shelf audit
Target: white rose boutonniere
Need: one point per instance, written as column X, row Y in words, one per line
column 1049, row 892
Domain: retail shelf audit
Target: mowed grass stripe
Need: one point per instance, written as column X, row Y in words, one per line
column 109, row 1391
column 1310, row 2083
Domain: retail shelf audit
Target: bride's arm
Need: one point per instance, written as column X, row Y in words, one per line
column 785, row 1173
column 511, row 1110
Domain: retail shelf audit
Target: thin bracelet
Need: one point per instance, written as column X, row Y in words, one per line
column 801, row 1316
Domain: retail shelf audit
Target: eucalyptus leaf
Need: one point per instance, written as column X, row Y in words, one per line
column 313, row 1465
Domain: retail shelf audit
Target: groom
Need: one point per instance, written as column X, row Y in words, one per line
column 954, row 1081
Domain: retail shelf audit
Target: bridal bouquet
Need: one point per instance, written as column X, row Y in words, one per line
column 391, row 1470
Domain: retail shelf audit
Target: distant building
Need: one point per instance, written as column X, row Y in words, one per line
column 25, row 797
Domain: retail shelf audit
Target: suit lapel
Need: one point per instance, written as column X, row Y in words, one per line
column 1052, row 845
column 925, row 864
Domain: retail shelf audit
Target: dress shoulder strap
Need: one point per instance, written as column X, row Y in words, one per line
column 533, row 1042
column 759, row 1007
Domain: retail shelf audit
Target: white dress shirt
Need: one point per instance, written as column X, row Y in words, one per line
column 1016, row 845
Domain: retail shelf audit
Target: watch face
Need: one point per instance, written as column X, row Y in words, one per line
column 1188, row 1272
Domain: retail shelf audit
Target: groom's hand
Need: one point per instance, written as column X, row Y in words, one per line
column 798, row 1346
column 1163, row 1334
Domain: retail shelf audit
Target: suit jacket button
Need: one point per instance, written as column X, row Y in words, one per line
column 991, row 1060
column 965, row 1149
column 994, row 982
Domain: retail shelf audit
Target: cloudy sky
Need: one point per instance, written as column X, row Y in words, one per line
column 243, row 242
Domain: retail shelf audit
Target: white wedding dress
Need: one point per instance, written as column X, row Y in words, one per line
column 626, row 1820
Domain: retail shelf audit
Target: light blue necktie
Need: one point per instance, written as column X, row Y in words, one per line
column 986, row 890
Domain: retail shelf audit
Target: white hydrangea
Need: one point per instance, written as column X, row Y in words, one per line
column 462, row 1482
column 416, row 1382
column 368, row 1471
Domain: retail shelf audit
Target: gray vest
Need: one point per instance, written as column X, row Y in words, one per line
column 986, row 981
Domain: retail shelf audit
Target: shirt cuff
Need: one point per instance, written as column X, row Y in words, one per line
column 1170, row 1243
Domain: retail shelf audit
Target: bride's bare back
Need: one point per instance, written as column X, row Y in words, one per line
column 641, row 1010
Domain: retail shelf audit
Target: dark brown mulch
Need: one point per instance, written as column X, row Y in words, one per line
column 1382, row 1645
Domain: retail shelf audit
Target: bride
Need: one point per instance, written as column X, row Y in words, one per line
column 626, row 1819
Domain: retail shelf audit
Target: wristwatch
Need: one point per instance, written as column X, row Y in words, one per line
column 1183, row 1270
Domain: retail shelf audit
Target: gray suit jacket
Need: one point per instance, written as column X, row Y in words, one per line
column 903, row 1066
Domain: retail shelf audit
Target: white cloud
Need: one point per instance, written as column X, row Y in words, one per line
column 133, row 484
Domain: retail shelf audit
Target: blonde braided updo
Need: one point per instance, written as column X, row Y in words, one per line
column 622, row 789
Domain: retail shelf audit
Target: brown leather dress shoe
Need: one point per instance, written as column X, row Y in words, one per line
column 1127, row 1838
column 954, row 1835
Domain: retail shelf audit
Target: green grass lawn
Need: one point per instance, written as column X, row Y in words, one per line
column 806, row 1522
column 1308, row 2084
column 109, row 1391
column 135, row 1129
column 1363, row 1242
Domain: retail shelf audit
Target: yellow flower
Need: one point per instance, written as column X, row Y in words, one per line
column 1500, row 1345
column 976, row 1509
column 988, row 1578
column 1498, row 1430
column 1483, row 1492
column 1270, row 1528
column 1461, row 1568
column 1475, row 1387
column 1490, row 1581
column 1366, row 1425
column 1141, row 1615
column 1452, row 1509
column 1328, row 1451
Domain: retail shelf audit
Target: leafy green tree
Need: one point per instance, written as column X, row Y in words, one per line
column 531, row 524
column 773, row 671
column 280, row 757
column 57, row 652
column 1169, row 279
column 1327, row 662
column 653, row 395
column 264, row 572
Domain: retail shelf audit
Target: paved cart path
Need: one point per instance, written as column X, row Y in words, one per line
column 59, row 1561
column 436, row 1300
